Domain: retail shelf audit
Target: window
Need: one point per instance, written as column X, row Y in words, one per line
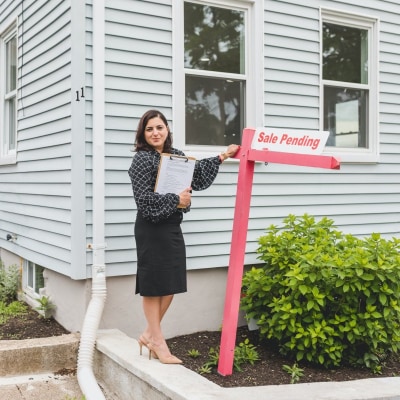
column 34, row 276
column 8, row 98
column 349, row 76
column 214, row 101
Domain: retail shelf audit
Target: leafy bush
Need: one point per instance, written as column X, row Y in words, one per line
column 324, row 296
column 9, row 278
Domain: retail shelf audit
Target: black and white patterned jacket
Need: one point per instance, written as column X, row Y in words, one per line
column 156, row 207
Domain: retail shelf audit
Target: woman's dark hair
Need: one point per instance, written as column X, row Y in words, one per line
column 141, row 143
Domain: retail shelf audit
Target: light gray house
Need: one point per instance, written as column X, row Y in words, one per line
column 77, row 75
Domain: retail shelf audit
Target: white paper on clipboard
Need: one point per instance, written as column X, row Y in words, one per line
column 175, row 173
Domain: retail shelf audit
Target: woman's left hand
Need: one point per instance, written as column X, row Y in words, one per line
column 230, row 151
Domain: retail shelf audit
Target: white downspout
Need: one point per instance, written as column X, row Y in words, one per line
column 86, row 378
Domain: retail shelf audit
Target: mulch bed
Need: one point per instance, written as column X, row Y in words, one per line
column 267, row 371
column 30, row 326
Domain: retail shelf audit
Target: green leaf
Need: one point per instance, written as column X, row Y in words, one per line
column 359, row 271
column 303, row 289
column 367, row 277
column 377, row 314
column 312, row 277
column 383, row 298
column 386, row 312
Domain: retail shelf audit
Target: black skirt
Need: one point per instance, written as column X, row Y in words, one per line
column 161, row 254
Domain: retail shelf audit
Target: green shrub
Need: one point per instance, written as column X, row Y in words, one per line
column 294, row 371
column 13, row 309
column 45, row 307
column 324, row 296
column 9, row 278
column 244, row 353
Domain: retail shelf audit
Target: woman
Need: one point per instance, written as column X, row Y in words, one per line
column 160, row 246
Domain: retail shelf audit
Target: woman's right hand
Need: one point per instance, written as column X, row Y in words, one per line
column 185, row 198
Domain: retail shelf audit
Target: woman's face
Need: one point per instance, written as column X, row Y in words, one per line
column 156, row 133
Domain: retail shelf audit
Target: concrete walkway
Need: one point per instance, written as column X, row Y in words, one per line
column 40, row 387
column 40, row 369
column 28, row 369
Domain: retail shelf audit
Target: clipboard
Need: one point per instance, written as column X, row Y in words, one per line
column 175, row 173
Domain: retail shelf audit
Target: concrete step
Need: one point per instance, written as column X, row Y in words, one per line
column 37, row 369
column 51, row 354
column 40, row 387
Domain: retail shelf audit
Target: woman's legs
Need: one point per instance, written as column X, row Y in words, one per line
column 154, row 308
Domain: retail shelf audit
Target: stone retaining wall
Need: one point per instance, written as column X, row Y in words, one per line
column 51, row 354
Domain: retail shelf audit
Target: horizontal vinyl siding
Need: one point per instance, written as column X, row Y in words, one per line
column 138, row 77
column 9, row 9
column 35, row 194
column 360, row 198
column 291, row 65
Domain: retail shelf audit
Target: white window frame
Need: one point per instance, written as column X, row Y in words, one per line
column 371, row 24
column 31, row 290
column 254, row 70
column 7, row 155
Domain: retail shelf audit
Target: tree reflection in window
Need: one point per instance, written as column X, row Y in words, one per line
column 345, row 54
column 214, row 42
column 213, row 114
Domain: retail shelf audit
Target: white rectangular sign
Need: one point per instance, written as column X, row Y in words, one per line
column 289, row 141
column 175, row 173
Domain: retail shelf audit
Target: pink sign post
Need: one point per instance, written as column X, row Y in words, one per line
column 247, row 156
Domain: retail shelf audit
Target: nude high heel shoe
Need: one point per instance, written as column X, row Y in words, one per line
column 162, row 353
column 141, row 344
column 144, row 342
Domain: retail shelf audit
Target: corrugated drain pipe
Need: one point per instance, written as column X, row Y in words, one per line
column 86, row 378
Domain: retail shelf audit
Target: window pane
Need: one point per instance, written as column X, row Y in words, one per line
column 345, row 54
column 11, row 64
column 11, row 122
column 214, row 38
column 345, row 117
column 39, row 280
column 213, row 112
column 30, row 274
